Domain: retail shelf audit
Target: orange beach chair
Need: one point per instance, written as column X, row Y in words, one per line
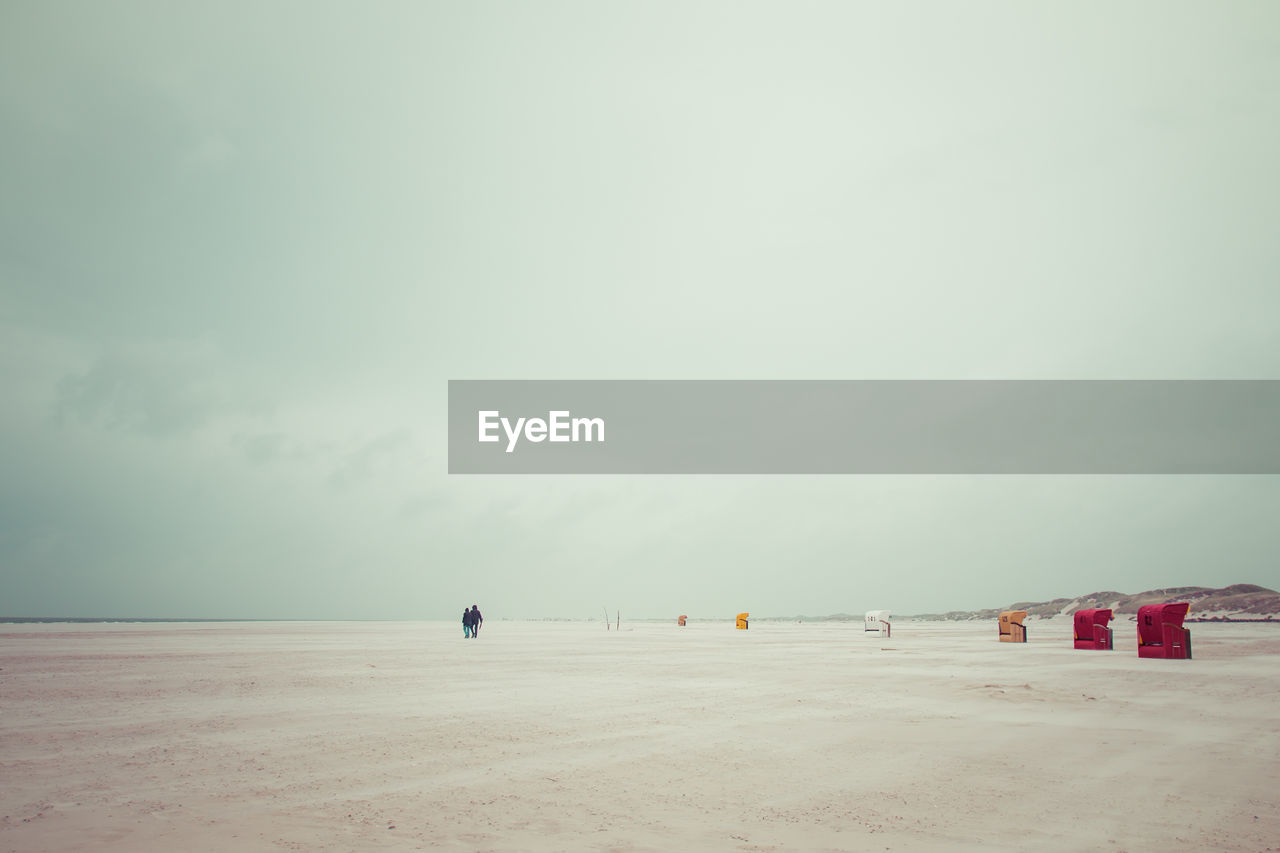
column 1011, row 628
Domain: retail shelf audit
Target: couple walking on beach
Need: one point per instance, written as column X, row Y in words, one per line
column 471, row 620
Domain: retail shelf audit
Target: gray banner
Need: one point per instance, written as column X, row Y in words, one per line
column 863, row 427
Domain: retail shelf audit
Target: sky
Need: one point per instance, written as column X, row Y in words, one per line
column 244, row 247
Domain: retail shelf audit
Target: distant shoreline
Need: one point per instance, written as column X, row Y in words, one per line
column 19, row 620
column 124, row 620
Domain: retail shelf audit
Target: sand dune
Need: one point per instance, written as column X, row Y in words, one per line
column 561, row 736
column 1237, row 602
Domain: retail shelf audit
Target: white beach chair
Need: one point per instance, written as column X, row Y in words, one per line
column 877, row 621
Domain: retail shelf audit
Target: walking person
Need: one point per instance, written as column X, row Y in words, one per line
column 466, row 622
column 476, row 619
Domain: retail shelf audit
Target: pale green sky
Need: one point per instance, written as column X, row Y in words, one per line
column 243, row 247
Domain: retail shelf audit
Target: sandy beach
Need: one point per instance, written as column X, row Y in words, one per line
column 562, row 736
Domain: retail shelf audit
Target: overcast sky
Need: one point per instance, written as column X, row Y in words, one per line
column 243, row 247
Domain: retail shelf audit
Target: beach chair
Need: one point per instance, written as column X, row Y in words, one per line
column 682, row 620
column 1160, row 631
column 1091, row 631
column 1011, row 628
column 876, row 621
column 742, row 621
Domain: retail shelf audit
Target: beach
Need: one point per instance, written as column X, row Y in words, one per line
column 560, row 735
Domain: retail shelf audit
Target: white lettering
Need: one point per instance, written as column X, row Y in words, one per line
column 513, row 435
column 557, row 424
column 587, row 423
column 558, row 427
column 485, row 426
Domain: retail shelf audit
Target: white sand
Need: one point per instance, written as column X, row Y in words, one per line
column 560, row 736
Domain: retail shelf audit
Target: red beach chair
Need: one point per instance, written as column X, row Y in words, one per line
column 1160, row 631
column 1091, row 629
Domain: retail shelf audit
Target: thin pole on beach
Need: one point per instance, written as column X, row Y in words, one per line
column 606, row 619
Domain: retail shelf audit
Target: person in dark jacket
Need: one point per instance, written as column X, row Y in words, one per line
column 476, row 620
column 466, row 622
